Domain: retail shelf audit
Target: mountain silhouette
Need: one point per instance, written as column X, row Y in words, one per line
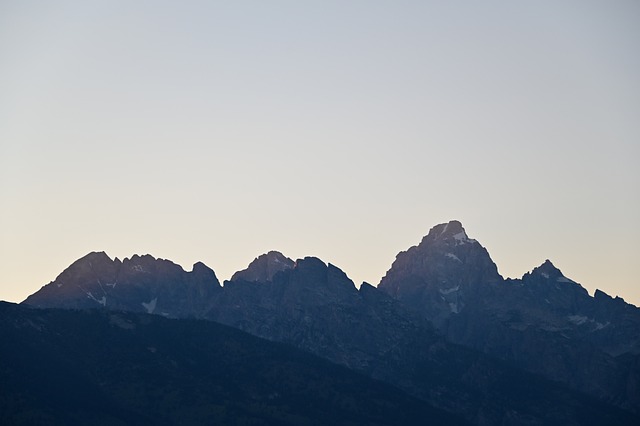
column 443, row 325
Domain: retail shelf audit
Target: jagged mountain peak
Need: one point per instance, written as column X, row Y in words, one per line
column 140, row 283
column 317, row 279
column 200, row 266
column 201, row 270
column 312, row 267
column 310, row 263
column 451, row 232
column 264, row 267
column 606, row 299
column 86, row 268
column 444, row 254
column 95, row 255
column 441, row 275
column 547, row 270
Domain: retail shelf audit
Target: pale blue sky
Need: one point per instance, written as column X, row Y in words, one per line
column 217, row 131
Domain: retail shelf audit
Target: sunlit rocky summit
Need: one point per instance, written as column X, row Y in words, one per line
column 139, row 284
column 442, row 325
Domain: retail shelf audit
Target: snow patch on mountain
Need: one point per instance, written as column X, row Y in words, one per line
column 577, row 319
column 102, row 301
column 462, row 238
column 453, row 256
column 150, row 306
column 581, row 319
column 449, row 290
column 139, row 268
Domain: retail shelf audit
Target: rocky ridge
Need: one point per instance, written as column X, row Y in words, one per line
column 441, row 294
column 138, row 284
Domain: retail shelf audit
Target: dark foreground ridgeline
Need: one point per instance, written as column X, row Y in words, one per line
column 66, row 367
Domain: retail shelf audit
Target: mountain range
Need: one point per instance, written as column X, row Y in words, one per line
column 442, row 326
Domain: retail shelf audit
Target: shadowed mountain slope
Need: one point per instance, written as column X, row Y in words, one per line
column 115, row 368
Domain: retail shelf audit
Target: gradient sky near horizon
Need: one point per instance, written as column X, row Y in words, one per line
column 215, row 131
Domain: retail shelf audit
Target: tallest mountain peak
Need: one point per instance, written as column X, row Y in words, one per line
column 453, row 224
column 441, row 275
column 450, row 231
column 449, row 228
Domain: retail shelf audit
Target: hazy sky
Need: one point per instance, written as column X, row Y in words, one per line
column 217, row 131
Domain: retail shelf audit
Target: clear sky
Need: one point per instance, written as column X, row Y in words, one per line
column 216, row 131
